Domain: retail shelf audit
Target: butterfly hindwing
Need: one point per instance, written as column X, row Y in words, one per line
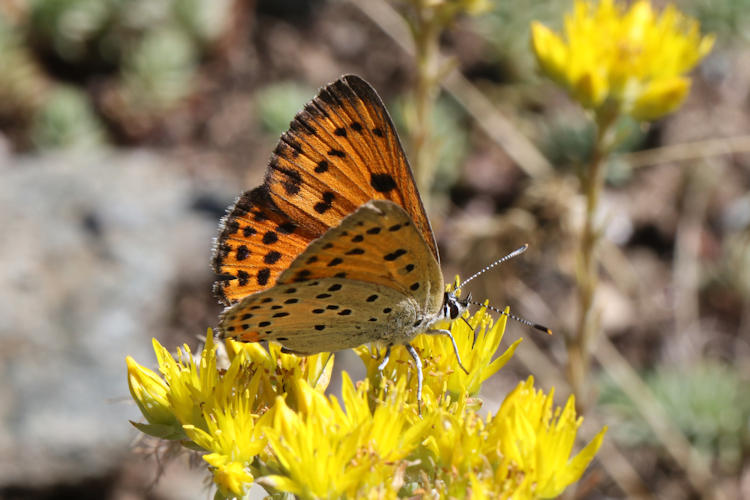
column 374, row 270
column 328, row 314
column 341, row 151
column 377, row 244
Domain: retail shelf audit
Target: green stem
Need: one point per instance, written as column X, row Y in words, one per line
column 579, row 344
column 426, row 32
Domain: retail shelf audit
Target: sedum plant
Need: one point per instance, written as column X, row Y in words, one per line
column 262, row 416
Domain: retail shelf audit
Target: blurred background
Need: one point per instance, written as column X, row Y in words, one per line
column 128, row 126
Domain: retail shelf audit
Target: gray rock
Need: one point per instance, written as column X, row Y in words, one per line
column 92, row 247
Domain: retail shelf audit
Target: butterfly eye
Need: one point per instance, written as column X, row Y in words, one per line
column 454, row 309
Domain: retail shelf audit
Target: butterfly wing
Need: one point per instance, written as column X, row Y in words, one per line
column 314, row 316
column 341, row 151
column 373, row 277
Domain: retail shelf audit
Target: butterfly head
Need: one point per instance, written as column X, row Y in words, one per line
column 453, row 306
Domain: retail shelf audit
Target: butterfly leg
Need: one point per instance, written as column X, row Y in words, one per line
column 386, row 358
column 473, row 342
column 418, row 362
column 453, row 341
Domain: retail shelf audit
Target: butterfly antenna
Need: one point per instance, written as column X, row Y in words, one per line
column 526, row 322
column 514, row 253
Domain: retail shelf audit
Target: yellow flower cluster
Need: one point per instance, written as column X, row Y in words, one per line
column 619, row 60
column 265, row 418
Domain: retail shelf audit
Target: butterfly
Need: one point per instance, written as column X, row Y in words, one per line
column 334, row 249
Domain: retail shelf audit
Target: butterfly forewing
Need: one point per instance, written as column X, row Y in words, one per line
column 340, row 152
column 255, row 244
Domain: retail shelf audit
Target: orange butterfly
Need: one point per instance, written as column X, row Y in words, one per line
column 334, row 249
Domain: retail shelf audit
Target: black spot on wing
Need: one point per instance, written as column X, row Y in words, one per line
column 270, row 237
column 382, row 183
column 292, row 179
column 242, row 252
column 302, row 275
column 286, row 228
column 243, row 277
column 326, row 203
column 271, row 257
column 394, row 255
column 321, row 167
column 263, row 276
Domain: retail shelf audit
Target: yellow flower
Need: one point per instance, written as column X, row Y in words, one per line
column 623, row 60
column 150, row 394
column 278, row 369
column 231, row 477
column 217, row 411
column 372, row 444
column 523, row 451
column 329, row 451
column 536, row 441
column 234, row 437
